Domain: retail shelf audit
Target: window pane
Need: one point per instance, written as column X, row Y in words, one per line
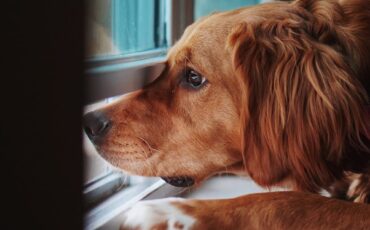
column 119, row 27
column 205, row 7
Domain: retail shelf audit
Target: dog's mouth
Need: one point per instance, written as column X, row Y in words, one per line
column 179, row 181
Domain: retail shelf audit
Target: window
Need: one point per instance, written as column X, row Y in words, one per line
column 205, row 7
column 127, row 41
column 117, row 27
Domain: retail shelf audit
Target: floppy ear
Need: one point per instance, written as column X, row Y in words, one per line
column 344, row 24
column 303, row 103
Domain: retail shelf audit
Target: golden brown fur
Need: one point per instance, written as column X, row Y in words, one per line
column 304, row 102
column 278, row 210
column 285, row 103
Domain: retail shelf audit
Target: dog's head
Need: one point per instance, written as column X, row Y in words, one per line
column 269, row 90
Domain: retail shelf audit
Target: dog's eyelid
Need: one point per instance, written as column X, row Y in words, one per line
column 191, row 68
column 194, row 71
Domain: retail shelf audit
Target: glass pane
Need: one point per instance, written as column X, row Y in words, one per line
column 205, row 7
column 119, row 27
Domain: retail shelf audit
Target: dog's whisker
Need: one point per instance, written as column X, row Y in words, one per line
column 226, row 169
column 149, row 146
column 151, row 168
column 147, row 163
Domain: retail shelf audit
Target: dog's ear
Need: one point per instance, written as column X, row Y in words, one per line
column 340, row 24
column 303, row 103
column 329, row 10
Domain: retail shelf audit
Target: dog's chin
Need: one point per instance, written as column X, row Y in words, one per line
column 135, row 165
column 130, row 164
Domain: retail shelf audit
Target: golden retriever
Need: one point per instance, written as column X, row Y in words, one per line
column 276, row 92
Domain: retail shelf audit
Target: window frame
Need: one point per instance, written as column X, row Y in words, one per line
column 133, row 71
column 111, row 76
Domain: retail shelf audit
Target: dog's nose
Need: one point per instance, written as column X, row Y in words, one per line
column 96, row 124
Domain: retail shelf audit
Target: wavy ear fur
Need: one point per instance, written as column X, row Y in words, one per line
column 304, row 104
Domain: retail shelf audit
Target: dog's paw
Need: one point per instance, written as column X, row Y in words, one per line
column 158, row 214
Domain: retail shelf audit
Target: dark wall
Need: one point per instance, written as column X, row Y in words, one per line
column 41, row 97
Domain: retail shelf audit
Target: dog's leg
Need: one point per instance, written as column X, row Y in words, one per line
column 275, row 210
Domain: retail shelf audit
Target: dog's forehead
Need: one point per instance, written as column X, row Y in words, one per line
column 205, row 42
column 209, row 34
column 205, row 38
column 179, row 54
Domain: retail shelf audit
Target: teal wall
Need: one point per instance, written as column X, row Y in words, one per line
column 205, row 7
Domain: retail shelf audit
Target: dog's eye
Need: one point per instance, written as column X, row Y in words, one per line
column 194, row 79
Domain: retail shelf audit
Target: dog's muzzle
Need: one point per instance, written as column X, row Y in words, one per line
column 181, row 181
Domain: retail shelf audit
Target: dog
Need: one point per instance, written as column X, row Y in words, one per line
column 277, row 92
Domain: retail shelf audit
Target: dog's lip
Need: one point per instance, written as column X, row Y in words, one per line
column 179, row 181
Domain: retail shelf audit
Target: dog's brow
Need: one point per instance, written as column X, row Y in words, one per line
column 180, row 56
